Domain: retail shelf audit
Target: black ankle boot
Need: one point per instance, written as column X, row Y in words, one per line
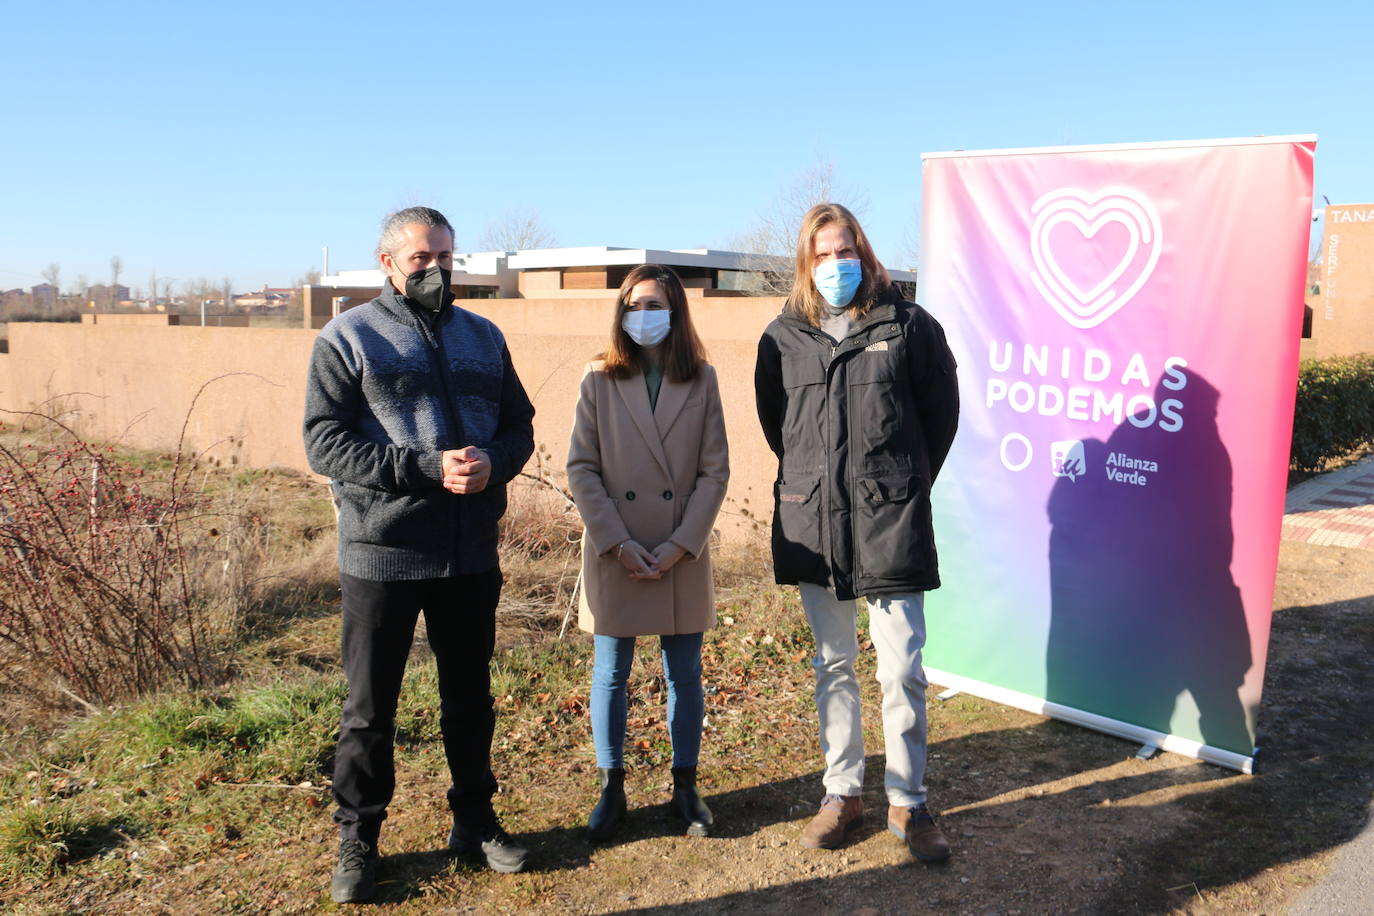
column 687, row 804
column 609, row 812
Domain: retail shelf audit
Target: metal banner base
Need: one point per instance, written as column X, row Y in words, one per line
column 1144, row 736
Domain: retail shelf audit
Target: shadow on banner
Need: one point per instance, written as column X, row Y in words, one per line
column 1146, row 621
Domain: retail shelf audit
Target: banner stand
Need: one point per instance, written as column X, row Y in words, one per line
column 1145, row 736
column 1126, row 322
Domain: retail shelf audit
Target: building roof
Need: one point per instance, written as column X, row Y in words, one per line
column 376, row 277
column 606, row 255
column 484, row 268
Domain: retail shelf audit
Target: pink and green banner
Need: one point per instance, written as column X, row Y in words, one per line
column 1126, row 321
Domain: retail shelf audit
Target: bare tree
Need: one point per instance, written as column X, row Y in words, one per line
column 775, row 234
column 152, row 290
column 516, row 230
column 909, row 257
column 196, row 294
column 295, row 306
column 228, row 294
column 52, row 276
column 116, row 266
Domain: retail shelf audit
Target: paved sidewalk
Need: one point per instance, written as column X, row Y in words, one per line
column 1348, row 888
column 1335, row 508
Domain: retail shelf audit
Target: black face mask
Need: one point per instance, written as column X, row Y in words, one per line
column 429, row 288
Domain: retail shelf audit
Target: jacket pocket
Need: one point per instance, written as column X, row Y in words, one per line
column 803, row 369
column 891, row 490
column 892, row 527
column 881, row 406
column 797, row 552
column 407, row 521
column 804, row 415
column 351, row 504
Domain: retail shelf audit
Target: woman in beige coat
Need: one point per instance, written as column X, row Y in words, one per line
column 647, row 466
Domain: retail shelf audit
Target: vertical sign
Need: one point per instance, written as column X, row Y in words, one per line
column 1343, row 317
column 1126, row 321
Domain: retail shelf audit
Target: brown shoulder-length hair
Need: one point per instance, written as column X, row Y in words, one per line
column 806, row 302
column 683, row 353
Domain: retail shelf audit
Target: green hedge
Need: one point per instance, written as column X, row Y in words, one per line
column 1335, row 409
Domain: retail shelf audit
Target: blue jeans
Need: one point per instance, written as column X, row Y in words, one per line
column 611, row 674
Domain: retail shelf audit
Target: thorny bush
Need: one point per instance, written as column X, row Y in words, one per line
column 103, row 586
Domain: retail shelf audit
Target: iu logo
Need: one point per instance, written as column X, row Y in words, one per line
column 1093, row 251
column 1067, row 459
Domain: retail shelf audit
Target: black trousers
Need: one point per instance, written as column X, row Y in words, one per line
column 378, row 628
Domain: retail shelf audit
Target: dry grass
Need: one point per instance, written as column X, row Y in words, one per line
column 541, row 556
column 204, row 797
column 214, row 797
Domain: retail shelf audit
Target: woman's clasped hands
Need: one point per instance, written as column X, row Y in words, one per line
column 648, row 564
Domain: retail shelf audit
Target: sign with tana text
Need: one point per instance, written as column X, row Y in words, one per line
column 1126, row 321
column 1344, row 311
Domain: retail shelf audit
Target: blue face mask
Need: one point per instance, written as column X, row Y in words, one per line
column 838, row 280
column 647, row 327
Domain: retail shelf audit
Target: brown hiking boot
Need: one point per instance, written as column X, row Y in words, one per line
column 839, row 814
column 917, row 828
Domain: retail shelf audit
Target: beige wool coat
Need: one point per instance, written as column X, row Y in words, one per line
column 652, row 475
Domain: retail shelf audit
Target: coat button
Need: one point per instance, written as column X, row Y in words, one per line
column 667, row 494
column 630, row 494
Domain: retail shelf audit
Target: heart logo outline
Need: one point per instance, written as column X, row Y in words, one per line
column 1089, row 213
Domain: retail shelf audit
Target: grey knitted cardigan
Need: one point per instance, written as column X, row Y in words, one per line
column 390, row 388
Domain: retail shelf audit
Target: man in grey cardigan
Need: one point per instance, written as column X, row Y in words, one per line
column 414, row 412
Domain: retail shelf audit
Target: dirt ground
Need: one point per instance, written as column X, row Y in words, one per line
column 1044, row 817
column 1049, row 818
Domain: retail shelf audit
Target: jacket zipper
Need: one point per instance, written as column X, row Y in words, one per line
column 849, row 488
column 440, row 367
column 850, row 480
column 825, row 488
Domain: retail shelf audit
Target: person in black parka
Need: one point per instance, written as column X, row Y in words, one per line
column 857, row 395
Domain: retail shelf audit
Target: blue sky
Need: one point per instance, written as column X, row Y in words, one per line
column 238, row 139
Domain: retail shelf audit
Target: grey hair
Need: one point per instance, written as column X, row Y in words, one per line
column 395, row 224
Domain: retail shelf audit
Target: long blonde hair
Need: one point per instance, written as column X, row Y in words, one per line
column 806, row 302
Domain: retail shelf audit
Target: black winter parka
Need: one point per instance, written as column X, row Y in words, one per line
column 861, row 428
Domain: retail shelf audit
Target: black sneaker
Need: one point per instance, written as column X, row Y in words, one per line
column 489, row 845
column 355, row 877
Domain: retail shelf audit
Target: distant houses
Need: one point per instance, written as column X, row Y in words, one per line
column 267, row 298
column 574, row 273
column 44, row 295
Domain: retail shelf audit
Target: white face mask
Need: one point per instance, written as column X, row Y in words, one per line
column 647, row 327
